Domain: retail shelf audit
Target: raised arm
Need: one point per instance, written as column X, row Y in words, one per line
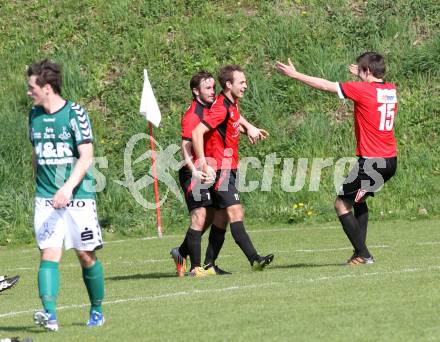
column 315, row 82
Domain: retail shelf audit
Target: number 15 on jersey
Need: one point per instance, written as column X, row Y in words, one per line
column 386, row 116
column 387, row 99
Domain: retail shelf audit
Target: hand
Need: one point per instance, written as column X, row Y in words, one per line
column 288, row 70
column 353, row 69
column 62, row 197
column 201, row 176
column 254, row 134
column 210, row 174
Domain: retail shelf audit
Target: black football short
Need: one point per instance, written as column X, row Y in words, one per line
column 225, row 189
column 196, row 194
column 367, row 177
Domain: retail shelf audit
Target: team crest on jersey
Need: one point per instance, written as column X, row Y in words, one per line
column 65, row 135
column 386, row 95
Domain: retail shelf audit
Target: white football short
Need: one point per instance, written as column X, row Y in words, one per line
column 76, row 225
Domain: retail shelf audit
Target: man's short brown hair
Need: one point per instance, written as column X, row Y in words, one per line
column 226, row 74
column 197, row 79
column 47, row 72
column 372, row 61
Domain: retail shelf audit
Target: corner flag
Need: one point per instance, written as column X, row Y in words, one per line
column 149, row 107
column 151, row 111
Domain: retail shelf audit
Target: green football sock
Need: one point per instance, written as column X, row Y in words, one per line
column 94, row 280
column 48, row 285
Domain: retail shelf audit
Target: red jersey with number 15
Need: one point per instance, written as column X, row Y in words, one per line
column 221, row 142
column 375, row 108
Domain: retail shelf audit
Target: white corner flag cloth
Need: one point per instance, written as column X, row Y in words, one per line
column 149, row 107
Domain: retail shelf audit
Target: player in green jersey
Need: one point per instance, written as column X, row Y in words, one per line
column 65, row 209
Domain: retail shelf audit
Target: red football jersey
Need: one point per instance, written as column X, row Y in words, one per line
column 375, row 108
column 221, row 142
column 192, row 117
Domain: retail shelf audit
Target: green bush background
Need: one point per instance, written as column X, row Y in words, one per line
column 103, row 47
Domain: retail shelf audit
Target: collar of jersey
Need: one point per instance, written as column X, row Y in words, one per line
column 59, row 110
column 204, row 106
column 228, row 102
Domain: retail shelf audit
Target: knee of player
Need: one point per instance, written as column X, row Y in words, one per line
column 341, row 207
column 221, row 219
column 221, row 222
column 235, row 213
column 336, row 204
column 87, row 259
column 198, row 219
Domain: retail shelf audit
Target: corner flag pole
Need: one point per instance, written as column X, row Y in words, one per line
column 150, row 109
column 156, row 185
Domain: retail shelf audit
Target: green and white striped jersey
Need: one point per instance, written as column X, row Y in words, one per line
column 55, row 138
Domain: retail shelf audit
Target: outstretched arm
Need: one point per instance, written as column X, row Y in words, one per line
column 253, row 133
column 315, row 82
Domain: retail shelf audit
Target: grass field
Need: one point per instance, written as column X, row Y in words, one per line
column 305, row 295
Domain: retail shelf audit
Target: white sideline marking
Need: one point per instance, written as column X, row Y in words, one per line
column 154, row 261
column 225, row 289
column 428, row 243
column 30, row 250
column 249, row 231
column 335, row 249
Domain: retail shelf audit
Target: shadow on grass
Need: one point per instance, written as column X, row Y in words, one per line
column 17, row 331
column 156, row 275
column 303, row 265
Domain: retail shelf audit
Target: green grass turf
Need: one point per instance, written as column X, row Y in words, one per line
column 305, row 295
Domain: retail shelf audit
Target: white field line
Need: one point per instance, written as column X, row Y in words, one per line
column 30, row 250
column 427, row 243
column 249, row 231
column 155, row 261
column 225, row 289
column 335, row 249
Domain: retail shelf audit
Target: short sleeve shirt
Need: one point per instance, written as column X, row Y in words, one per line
column 221, row 143
column 55, row 139
column 375, row 109
column 192, row 117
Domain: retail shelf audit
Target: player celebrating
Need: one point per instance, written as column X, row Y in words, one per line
column 200, row 199
column 65, row 209
column 220, row 145
column 375, row 107
column 8, row 282
column 202, row 214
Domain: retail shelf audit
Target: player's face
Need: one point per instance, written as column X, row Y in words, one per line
column 206, row 91
column 37, row 93
column 238, row 85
